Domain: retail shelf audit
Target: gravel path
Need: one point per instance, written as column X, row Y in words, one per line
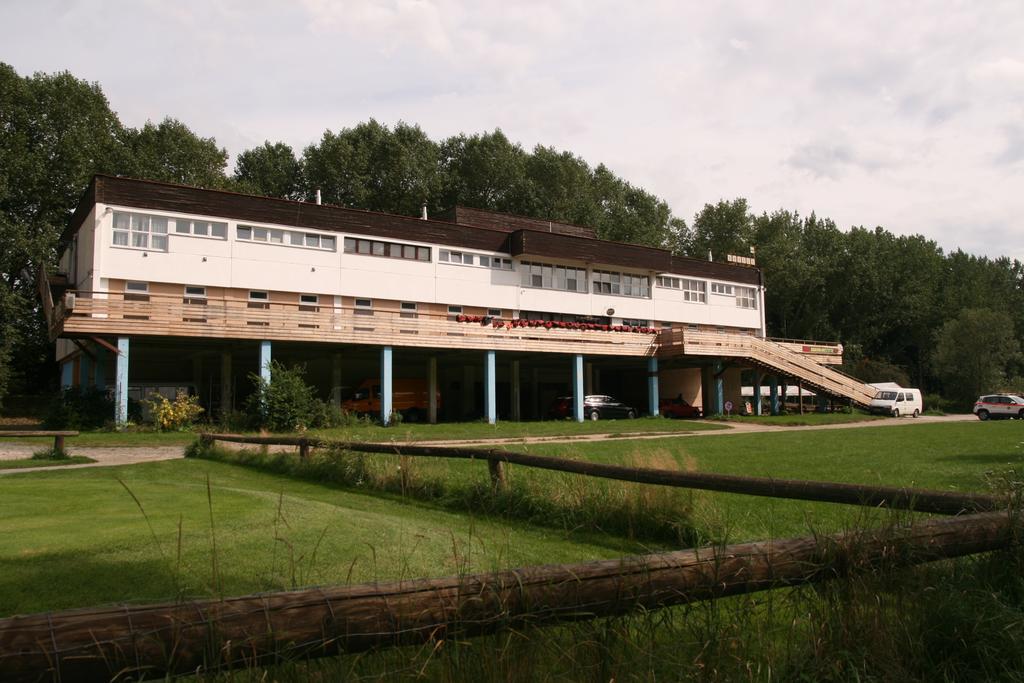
column 106, row 456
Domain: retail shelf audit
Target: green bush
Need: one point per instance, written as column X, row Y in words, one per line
column 77, row 408
column 285, row 403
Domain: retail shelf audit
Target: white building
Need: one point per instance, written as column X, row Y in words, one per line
column 171, row 286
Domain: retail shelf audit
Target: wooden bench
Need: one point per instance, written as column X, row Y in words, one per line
column 58, row 437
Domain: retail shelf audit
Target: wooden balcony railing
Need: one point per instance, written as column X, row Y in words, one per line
column 830, row 353
column 102, row 313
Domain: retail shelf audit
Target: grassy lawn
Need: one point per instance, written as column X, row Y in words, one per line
column 77, row 538
column 44, row 462
column 797, row 420
column 950, row 456
column 958, row 456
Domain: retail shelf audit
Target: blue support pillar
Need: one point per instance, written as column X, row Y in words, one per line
column 652, row 387
column 773, row 385
column 490, row 390
column 386, row 388
column 121, row 383
column 265, row 356
column 577, row 387
column 719, row 388
column 757, row 393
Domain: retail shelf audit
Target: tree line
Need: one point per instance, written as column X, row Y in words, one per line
column 901, row 306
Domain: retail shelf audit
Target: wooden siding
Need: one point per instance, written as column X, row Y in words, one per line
column 506, row 222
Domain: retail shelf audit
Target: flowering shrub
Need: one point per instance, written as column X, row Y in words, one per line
column 176, row 415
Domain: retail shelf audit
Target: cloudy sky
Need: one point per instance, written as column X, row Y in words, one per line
column 908, row 115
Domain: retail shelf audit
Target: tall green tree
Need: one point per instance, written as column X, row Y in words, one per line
column 723, row 228
column 171, row 152
column 270, row 170
column 55, row 132
column 974, row 353
column 484, row 171
column 373, row 167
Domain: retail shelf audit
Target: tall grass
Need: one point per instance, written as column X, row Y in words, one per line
column 664, row 516
column 953, row 621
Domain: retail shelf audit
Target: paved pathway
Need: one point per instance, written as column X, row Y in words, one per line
column 106, row 456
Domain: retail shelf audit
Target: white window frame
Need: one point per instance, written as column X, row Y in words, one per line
column 190, row 227
column 362, row 246
column 195, row 297
column 722, row 289
column 538, row 275
column 408, row 309
column 668, row 282
column 694, row 291
column 143, row 231
column 363, row 306
column 746, row 297
column 494, row 312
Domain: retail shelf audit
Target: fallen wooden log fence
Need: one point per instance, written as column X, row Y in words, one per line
column 156, row 640
column 58, row 436
column 901, row 498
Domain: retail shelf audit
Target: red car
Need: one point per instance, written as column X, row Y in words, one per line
column 677, row 408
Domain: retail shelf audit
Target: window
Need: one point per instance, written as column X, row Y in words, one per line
column 185, row 226
column 259, row 299
column 311, row 240
column 636, row 285
column 635, row 322
column 694, row 291
column 140, row 231
column 668, row 282
column 494, row 312
column 195, row 296
column 136, row 291
column 408, row 310
column 364, row 307
column 255, row 234
column 721, row 288
column 366, row 247
column 482, row 260
column 547, row 276
column 746, row 297
column 624, row 284
column 309, row 303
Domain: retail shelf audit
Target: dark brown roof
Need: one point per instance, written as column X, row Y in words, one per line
column 511, row 239
column 506, row 222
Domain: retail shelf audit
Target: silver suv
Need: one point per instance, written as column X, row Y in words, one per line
column 999, row 406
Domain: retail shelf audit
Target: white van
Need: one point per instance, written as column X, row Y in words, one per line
column 897, row 402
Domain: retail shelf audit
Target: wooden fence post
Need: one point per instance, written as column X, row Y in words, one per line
column 497, row 469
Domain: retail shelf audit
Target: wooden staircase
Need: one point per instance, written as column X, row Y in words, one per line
column 770, row 356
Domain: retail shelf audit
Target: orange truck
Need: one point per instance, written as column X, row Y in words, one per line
column 409, row 397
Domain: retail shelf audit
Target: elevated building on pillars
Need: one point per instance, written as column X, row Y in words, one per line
column 165, row 288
